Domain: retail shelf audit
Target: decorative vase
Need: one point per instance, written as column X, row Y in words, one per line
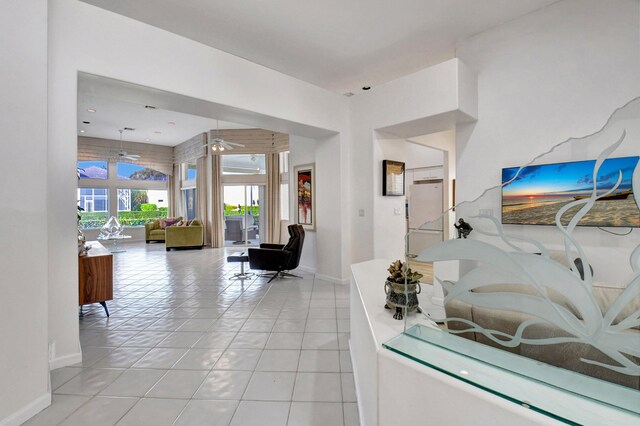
column 111, row 229
column 404, row 298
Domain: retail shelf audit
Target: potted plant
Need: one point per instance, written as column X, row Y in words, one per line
column 402, row 288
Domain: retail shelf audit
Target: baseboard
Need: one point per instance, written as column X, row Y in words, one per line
column 65, row 361
column 358, row 399
column 28, row 411
column 331, row 279
column 308, row 269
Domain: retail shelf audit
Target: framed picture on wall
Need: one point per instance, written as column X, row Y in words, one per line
column 305, row 190
column 392, row 177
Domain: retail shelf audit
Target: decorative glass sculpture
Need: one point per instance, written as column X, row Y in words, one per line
column 111, row 229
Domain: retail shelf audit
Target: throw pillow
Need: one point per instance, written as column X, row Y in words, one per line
column 164, row 223
column 179, row 223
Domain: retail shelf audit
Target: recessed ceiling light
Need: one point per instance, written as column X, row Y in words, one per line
column 157, row 132
column 464, row 372
column 147, row 140
column 172, row 123
column 86, row 122
column 81, row 131
column 366, row 87
column 91, row 110
column 348, row 94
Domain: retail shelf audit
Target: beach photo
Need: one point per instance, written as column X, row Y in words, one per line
column 534, row 194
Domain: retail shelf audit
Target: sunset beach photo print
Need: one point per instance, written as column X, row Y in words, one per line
column 539, row 191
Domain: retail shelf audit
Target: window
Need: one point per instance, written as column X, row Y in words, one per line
column 243, row 164
column 284, row 201
column 188, row 186
column 92, row 169
column 284, row 162
column 95, row 202
column 127, row 171
column 189, row 200
column 189, row 171
column 139, row 206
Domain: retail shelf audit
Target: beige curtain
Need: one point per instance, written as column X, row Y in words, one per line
column 217, row 220
column 272, row 233
column 202, row 200
column 173, row 190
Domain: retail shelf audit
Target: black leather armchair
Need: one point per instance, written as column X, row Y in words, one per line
column 278, row 257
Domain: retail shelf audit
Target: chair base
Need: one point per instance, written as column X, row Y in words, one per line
column 279, row 274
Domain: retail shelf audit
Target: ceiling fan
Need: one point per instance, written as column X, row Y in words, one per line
column 219, row 144
column 122, row 154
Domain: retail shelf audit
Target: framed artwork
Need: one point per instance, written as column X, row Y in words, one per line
column 305, row 190
column 392, row 177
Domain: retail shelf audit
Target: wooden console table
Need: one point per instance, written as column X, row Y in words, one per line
column 95, row 280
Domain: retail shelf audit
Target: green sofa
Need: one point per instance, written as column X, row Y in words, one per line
column 191, row 236
column 154, row 232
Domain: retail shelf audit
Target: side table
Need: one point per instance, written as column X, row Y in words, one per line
column 115, row 248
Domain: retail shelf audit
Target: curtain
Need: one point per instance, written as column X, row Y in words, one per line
column 202, row 200
column 217, row 220
column 272, row 234
column 173, row 190
column 156, row 157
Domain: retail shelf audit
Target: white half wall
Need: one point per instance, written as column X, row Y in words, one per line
column 24, row 363
column 553, row 74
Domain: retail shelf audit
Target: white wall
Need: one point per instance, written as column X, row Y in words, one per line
column 92, row 40
column 553, row 74
column 418, row 156
column 23, row 196
column 429, row 101
column 302, row 151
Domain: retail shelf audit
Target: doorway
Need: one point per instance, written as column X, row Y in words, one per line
column 244, row 217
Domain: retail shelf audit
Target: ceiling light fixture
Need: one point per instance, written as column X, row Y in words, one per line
column 81, row 131
column 91, row 110
column 171, row 123
column 157, row 132
column 219, row 144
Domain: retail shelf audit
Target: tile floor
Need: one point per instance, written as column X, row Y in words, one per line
column 188, row 345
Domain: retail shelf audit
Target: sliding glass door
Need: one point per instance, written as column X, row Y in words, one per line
column 243, row 218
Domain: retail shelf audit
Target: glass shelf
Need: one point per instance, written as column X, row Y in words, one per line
column 564, row 395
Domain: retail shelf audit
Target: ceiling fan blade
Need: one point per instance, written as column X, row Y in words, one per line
column 239, row 145
column 227, row 146
column 132, row 157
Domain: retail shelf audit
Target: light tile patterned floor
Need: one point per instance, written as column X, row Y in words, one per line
column 188, row 345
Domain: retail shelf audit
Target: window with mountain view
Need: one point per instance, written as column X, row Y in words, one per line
column 128, row 171
column 92, row 169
